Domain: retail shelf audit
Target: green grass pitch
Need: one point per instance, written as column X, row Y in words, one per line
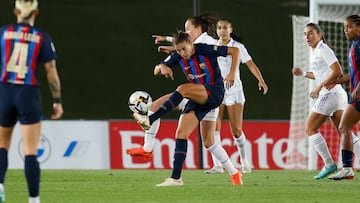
column 95, row 186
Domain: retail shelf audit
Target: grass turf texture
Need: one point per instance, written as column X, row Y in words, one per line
column 138, row 186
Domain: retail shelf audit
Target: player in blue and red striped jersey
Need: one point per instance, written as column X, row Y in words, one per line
column 22, row 48
column 205, row 92
column 351, row 114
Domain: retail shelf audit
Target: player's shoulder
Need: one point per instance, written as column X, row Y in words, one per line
column 5, row 27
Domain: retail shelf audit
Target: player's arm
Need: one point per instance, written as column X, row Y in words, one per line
column 159, row 38
column 235, row 62
column 55, row 88
column 299, row 72
column 256, row 72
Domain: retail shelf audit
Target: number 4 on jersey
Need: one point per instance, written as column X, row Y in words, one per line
column 18, row 59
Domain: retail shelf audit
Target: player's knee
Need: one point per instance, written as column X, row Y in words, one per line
column 310, row 131
column 343, row 130
column 237, row 132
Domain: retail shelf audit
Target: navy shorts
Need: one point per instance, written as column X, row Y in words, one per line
column 215, row 98
column 19, row 102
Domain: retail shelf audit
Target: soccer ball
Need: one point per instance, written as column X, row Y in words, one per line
column 140, row 102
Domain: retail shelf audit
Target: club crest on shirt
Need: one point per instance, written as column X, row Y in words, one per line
column 192, row 77
column 202, row 65
column 215, row 47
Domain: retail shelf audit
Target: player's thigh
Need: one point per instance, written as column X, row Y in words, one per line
column 30, row 137
column 235, row 113
column 194, row 92
column 314, row 122
column 220, row 117
column 186, row 125
column 5, row 137
column 349, row 118
column 207, row 130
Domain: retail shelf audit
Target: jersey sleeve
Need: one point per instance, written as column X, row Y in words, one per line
column 211, row 50
column 171, row 60
column 244, row 54
column 329, row 56
column 47, row 52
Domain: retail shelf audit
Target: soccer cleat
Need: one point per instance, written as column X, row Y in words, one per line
column 2, row 193
column 171, row 182
column 142, row 120
column 139, row 152
column 245, row 166
column 215, row 170
column 325, row 171
column 345, row 173
column 34, row 199
column 236, row 179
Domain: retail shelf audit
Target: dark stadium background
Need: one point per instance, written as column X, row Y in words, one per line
column 105, row 50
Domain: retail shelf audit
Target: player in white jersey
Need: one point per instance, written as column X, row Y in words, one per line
column 198, row 27
column 330, row 100
column 234, row 98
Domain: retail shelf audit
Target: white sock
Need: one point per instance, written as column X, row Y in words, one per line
column 217, row 140
column 219, row 152
column 150, row 135
column 241, row 144
column 34, row 199
column 321, row 147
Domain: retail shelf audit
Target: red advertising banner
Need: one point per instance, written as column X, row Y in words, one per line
column 267, row 146
column 127, row 134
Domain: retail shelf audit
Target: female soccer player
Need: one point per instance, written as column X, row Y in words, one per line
column 234, row 98
column 22, row 47
column 330, row 101
column 201, row 29
column 205, row 92
column 351, row 114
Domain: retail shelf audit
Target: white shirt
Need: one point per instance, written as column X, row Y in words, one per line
column 321, row 58
column 225, row 62
column 204, row 38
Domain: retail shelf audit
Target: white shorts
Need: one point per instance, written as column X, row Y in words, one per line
column 329, row 102
column 211, row 116
column 234, row 96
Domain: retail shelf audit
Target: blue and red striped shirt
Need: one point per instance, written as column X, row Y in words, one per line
column 202, row 67
column 354, row 64
column 22, row 48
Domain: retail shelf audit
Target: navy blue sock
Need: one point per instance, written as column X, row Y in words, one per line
column 3, row 164
column 179, row 157
column 167, row 106
column 347, row 158
column 32, row 174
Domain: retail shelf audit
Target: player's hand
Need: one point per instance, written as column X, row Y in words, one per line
column 158, row 38
column 315, row 92
column 229, row 81
column 166, row 71
column 297, row 71
column 263, row 86
column 166, row 49
column 58, row 111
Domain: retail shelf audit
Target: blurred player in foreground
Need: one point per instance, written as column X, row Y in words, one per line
column 22, row 47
